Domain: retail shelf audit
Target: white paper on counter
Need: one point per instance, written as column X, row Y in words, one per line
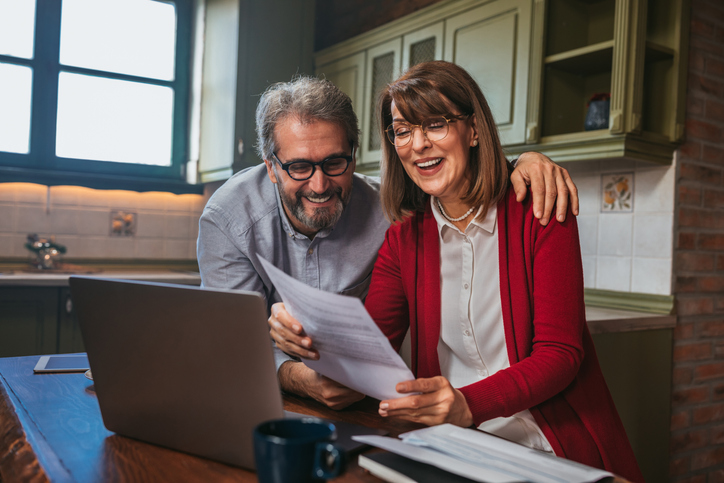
column 458, row 449
column 352, row 349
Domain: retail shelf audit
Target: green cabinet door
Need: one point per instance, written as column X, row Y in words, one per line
column 28, row 321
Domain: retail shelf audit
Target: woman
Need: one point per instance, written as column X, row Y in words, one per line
column 492, row 299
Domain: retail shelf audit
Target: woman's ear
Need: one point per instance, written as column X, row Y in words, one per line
column 474, row 125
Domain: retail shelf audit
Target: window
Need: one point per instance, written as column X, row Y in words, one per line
column 95, row 92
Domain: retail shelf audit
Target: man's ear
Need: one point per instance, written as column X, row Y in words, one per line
column 270, row 171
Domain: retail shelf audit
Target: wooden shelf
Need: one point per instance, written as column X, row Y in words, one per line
column 591, row 59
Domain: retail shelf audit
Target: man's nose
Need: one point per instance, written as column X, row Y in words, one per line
column 319, row 181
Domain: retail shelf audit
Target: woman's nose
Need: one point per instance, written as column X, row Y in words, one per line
column 419, row 139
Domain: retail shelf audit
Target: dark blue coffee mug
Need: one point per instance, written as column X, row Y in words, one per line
column 297, row 450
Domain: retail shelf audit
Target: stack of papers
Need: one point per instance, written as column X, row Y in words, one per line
column 484, row 457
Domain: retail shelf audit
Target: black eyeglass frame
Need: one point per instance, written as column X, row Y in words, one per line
column 321, row 164
column 449, row 119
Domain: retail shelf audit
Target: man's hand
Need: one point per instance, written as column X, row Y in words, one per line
column 296, row 378
column 548, row 182
column 289, row 334
column 437, row 403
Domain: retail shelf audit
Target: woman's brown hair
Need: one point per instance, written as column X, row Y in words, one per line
column 427, row 90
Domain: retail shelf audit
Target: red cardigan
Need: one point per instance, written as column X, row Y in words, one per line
column 554, row 370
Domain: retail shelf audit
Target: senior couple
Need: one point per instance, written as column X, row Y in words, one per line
column 450, row 246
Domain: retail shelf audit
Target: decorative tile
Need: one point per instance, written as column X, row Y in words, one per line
column 617, row 192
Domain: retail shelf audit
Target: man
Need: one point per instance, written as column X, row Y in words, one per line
column 314, row 217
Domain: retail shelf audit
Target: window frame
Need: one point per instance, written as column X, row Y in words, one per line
column 41, row 165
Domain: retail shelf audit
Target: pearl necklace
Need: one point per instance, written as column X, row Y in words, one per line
column 459, row 218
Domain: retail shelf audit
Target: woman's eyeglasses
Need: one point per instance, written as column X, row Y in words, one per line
column 435, row 129
column 303, row 170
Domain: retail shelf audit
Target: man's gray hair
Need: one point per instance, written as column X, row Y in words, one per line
column 307, row 99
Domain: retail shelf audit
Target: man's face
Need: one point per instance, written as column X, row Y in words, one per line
column 316, row 203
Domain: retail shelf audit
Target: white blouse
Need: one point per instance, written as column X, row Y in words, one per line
column 472, row 336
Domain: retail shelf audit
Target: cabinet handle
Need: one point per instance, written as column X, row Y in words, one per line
column 68, row 305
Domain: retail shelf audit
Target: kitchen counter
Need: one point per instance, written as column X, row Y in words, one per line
column 60, row 279
column 600, row 320
column 604, row 320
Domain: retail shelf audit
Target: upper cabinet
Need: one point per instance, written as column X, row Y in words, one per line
column 539, row 64
column 492, row 42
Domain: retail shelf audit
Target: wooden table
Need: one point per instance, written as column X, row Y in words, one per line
column 51, row 430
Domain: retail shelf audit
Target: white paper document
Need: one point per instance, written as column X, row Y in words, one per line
column 483, row 457
column 352, row 349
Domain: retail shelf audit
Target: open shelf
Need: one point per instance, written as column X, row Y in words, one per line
column 574, row 24
column 592, row 59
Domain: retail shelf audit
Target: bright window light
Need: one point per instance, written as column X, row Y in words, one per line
column 135, row 37
column 17, row 28
column 15, row 94
column 113, row 120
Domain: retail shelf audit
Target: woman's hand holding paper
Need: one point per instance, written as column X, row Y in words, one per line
column 437, row 402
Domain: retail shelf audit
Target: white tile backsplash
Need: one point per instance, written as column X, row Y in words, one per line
column 613, row 273
column 655, row 189
column 651, row 276
column 589, row 272
column 32, row 219
column 627, row 251
column 8, row 215
column 653, row 236
column 615, row 234
column 151, row 225
column 177, row 226
column 63, row 221
column 80, row 219
column 588, row 232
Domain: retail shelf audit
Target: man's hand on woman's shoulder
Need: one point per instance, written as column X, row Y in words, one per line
column 549, row 184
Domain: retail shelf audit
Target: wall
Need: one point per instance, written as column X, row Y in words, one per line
column 697, row 424
column 80, row 219
column 627, row 251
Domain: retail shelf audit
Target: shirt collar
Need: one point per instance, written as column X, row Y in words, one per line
column 487, row 223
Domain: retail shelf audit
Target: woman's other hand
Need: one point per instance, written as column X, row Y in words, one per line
column 289, row 334
column 549, row 184
column 437, row 403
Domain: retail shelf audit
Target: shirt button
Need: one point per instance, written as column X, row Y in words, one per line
column 467, row 333
column 311, row 250
column 466, row 286
column 482, row 373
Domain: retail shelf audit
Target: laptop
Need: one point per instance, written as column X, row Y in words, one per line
column 188, row 368
column 183, row 367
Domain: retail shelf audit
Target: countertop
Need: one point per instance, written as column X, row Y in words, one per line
column 600, row 320
column 59, row 279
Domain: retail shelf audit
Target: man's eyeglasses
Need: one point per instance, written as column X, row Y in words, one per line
column 435, row 129
column 303, row 170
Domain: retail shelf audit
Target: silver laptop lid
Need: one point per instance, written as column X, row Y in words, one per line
column 188, row 368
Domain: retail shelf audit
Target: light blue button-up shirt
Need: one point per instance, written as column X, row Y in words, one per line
column 245, row 219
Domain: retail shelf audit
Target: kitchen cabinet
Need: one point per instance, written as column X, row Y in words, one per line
column 38, row 320
column 633, row 50
column 492, row 42
column 28, row 321
column 238, row 65
column 539, row 62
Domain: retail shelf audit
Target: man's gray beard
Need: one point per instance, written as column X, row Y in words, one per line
column 321, row 218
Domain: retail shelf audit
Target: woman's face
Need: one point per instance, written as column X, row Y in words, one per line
column 439, row 168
